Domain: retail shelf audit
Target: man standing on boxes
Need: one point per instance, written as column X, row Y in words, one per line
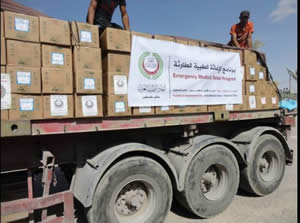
column 241, row 33
column 101, row 11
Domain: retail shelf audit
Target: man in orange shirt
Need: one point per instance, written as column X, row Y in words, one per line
column 241, row 33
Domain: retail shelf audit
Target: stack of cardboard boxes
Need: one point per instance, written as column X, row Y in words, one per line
column 56, row 69
column 87, row 70
column 21, row 47
column 116, row 48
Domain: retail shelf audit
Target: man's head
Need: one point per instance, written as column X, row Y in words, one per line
column 244, row 17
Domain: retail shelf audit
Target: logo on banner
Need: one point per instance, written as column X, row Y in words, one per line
column 151, row 65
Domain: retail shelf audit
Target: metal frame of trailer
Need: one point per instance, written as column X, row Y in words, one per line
column 76, row 125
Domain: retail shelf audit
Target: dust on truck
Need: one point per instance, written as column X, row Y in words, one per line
column 67, row 111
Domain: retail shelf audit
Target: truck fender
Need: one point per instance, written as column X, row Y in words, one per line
column 189, row 151
column 251, row 136
column 86, row 178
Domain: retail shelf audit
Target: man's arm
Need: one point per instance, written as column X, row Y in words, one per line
column 249, row 40
column 234, row 40
column 125, row 17
column 92, row 11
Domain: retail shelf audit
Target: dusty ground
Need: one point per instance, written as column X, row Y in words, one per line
column 279, row 207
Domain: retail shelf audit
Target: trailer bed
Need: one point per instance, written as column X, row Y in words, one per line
column 77, row 125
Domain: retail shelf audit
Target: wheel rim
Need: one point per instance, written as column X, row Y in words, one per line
column 214, row 182
column 135, row 202
column 268, row 166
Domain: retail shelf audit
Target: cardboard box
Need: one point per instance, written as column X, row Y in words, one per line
column 5, row 91
column 275, row 102
column 58, row 106
column 251, row 72
column 3, row 51
column 262, row 72
column 229, row 107
column 116, row 105
column 88, row 82
column 3, row 69
column 145, row 35
column 88, row 106
column 264, row 102
column 25, row 107
column 4, row 115
column 249, row 57
column 2, row 25
column 267, row 88
column 25, row 80
column 23, row 54
column 57, row 81
column 142, row 111
column 113, row 62
column 83, row 34
column 189, row 109
column 21, row 27
column 163, row 110
column 184, row 42
column 193, row 43
column 115, row 83
column 214, row 47
column 252, row 102
column 55, row 31
column 56, row 57
column 87, row 58
column 252, row 88
column 166, row 38
column 116, row 40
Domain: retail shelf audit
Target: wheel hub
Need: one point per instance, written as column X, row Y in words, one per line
column 268, row 165
column 131, row 199
column 214, row 182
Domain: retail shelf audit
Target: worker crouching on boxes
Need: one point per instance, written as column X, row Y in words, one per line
column 100, row 13
column 241, row 33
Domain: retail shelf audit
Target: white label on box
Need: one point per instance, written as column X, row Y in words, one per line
column 274, row 100
column 57, row 59
column 85, row 36
column 89, row 84
column 229, row 107
column 120, row 84
column 263, row 100
column 120, row 106
column 144, row 109
column 261, row 75
column 252, row 102
column 5, row 91
column 21, row 25
column 89, row 105
column 252, row 70
column 26, row 104
column 252, row 88
column 164, row 108
column 24, row 78
column 59, row 105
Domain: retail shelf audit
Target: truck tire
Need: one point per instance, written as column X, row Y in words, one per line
column 266, row 166
column 134, row 190
column 211, row 182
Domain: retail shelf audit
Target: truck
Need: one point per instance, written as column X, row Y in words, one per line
column 131, row 169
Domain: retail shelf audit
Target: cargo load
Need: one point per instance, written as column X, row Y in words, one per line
column 54, row 69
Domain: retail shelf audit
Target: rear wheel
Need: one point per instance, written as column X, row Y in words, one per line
column 211, row 182
column 266, row 166
column 135, row 190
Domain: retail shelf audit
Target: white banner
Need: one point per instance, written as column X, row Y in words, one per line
column 166, row 73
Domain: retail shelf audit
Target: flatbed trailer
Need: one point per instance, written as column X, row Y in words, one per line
column 129, row 169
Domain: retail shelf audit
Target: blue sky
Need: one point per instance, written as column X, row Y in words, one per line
column 275, row 23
